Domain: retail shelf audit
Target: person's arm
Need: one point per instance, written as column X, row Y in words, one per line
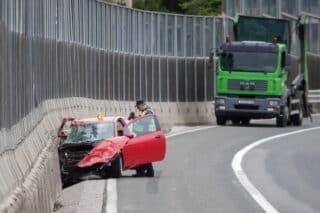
column 132, row 115
column 149, row 111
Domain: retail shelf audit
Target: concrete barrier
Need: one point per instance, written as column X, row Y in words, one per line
column 30, row 176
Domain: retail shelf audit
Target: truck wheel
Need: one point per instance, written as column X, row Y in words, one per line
column 116, row 167
column 245, row 122
column 236, row 122
column 297, row 118
column 221, row 120
column 282, row 120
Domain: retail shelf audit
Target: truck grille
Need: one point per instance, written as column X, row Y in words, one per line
column 258, row 85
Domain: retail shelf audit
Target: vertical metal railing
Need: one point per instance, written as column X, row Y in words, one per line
column 54, row 49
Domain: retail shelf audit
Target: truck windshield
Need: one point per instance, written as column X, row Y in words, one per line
column 90, row 132
column 249, row 61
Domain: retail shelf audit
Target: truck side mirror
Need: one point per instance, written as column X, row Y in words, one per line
column 285, row 62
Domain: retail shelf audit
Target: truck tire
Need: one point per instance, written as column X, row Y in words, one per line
column 297, row 118
column 117, row 168
column 282, row 120
column 245, row 122
column 221, row 120
column 236, row 122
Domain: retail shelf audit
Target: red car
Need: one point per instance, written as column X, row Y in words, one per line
column 108, row 146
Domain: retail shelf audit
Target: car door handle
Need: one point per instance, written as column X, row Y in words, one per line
column 158, row 137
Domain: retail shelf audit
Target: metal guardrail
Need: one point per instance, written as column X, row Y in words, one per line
column 314, row 96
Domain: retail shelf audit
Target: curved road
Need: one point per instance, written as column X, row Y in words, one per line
column 197, row 175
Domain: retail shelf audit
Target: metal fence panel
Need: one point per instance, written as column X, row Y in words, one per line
column 163, row 79
column 172, row 78
column 181, row 80
column 156, row 79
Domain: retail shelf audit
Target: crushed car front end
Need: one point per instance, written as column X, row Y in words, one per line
column 81, row 161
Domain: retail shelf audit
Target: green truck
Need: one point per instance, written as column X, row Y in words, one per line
column 255, row 77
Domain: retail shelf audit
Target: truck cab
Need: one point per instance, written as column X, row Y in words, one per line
column 253, row 74
column 251, row 78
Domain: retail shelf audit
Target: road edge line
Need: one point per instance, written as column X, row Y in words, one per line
column 112, row 196
column 243, row 178
column 189, row 131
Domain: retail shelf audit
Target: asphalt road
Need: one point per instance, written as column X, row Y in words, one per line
column 197, row 175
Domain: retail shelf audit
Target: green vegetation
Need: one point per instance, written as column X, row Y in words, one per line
column 191, row 7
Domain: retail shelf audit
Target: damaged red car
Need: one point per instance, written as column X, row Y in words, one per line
column 107, row 146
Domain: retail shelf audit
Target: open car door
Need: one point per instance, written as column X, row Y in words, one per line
column 64, row 128
column 148, row 143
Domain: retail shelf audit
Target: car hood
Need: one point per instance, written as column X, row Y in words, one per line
column 103, row 152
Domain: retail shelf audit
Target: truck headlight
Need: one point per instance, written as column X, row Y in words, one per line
column 274, row 103
column 219, row 101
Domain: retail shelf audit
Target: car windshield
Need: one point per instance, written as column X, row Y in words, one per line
column 249, row 61
column 90, row 132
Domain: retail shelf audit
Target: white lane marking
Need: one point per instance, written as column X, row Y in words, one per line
column 244, row 180
column 190, row 131
column 112, row 194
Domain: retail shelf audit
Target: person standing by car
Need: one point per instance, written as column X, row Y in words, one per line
column 143, row 108
column 145, row 170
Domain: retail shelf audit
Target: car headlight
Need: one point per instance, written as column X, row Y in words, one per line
column 219, row 101
column 274, row 103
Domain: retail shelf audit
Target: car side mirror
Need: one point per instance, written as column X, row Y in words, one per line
column 130, row 135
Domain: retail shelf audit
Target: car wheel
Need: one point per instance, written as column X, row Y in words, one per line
column 145, row 170
column 149, row 170
column 117, row 167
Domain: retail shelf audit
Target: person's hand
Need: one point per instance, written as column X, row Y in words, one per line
column 132, row 115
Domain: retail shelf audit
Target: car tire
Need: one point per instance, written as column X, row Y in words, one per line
column 117, row 167
column 149, row 170
column 221, row 120
column 145, row 170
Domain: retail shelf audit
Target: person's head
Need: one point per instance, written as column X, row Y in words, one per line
column 141, row 105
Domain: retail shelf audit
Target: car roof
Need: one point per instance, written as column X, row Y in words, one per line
column 95, row 120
